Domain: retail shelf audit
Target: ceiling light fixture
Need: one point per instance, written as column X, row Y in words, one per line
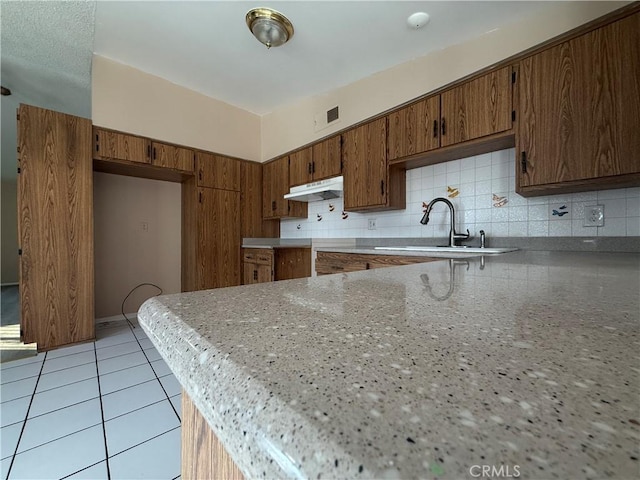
column 271, row 28
column 5, row 91
column 418, row 20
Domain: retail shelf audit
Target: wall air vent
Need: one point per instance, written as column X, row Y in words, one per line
column 332, row 115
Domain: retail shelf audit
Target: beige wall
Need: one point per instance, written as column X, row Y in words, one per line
column 125, row 255
column 9, row 233
column 293, row 126
column 127, row 99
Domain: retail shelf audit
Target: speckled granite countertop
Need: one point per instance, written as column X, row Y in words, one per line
column 530, row 364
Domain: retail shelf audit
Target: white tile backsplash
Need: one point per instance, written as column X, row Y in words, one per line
column 477, row 180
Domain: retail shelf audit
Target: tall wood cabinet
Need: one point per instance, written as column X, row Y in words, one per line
column 55, row 228
column 211, row 224
column 369, row 183
column 252, row 225
column 580, row 112
column 275, row 184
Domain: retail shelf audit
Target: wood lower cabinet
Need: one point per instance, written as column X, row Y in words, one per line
column 210, row 237
column 218, row 171
column 580, row 113
column 111, row 145
column 369, row 182
column 55, row 228
column 171, row 156
column 267, row 265
column 477, row 108
column 275, row 185
column 336, row 262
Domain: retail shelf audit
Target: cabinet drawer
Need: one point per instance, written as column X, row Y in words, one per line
column 264, row 258
column 249, row 256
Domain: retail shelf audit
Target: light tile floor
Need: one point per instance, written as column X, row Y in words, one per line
column 103, row 410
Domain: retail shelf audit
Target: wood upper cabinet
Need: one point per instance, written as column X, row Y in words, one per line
column 217, row 171
column 55, row 228
column 477, row 108
column 580, row 113
column 252, row 224
column 414, row 129
column 300, row 167
column 368, row 182
column 327, row 158
column 170, row 156
column 317, row 162
column 275, row 184
column 110, row 145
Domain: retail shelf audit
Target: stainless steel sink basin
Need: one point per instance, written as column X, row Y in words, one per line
column 458, row 250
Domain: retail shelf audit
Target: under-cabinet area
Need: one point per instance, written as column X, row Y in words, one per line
column 336, row 262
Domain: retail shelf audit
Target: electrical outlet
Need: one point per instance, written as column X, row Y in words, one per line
column 593, row 216
column 144, row 226
column 372, row 224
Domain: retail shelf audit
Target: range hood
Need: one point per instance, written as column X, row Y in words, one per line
column 315, row 191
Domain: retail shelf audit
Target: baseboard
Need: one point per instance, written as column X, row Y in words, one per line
column 116, row 318
column 15, row 284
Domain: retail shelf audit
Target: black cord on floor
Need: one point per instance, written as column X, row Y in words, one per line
column 129, row 294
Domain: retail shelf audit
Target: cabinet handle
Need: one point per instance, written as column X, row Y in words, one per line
column 154, row 153
column 367, row 266
column 435, row 129
column 273, row 205
column 336, row 267
column 381, row 187
column 523, row 162
column 148, row 151
column 309, row 167
column 199, row 197
column 255, row 275
column 313, row 167
column 200, row 175
column 444, row 127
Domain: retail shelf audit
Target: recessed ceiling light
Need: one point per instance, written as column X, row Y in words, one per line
column 418, row 20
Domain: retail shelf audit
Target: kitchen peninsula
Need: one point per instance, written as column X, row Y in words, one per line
column 527, row 360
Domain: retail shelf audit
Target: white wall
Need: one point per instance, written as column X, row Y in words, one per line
column 293, row 125
column 125, row 254
column 477, row 180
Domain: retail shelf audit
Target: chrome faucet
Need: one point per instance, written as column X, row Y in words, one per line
column 453, row 235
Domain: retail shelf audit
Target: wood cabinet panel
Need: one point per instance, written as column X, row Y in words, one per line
column 300, row 167
column 252, row 224
column 336, row 262
column 257, row 265
column 327, row 158
column 580, row 111
column 414, row 129
column 477, row 108
column 219, row 240
column 170, row 156
column 55, row 228
column 292, row 263
column 275, row 185
column 120, row 146
column 203, row 456
column 368, row 182
column 217, row 171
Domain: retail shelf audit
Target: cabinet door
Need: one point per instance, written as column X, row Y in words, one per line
column 327, row 158
column 414, row 129
column 265, row 273
column 252, row 224
column 300, row 167
column 580, row 108
column 110, row 145
column 170, row 156
column 364, row 154
column 477, row 108
column 275, row 186
column 217, row 171
column 249, row 273
column 55, row 228
column 218, row 257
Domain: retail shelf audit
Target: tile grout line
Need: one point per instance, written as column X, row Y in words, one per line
column 26, row 416
column 154, row 372
column 104, row 428
column 147, row 440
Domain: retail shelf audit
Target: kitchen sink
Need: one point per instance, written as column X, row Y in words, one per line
column 461, row 249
